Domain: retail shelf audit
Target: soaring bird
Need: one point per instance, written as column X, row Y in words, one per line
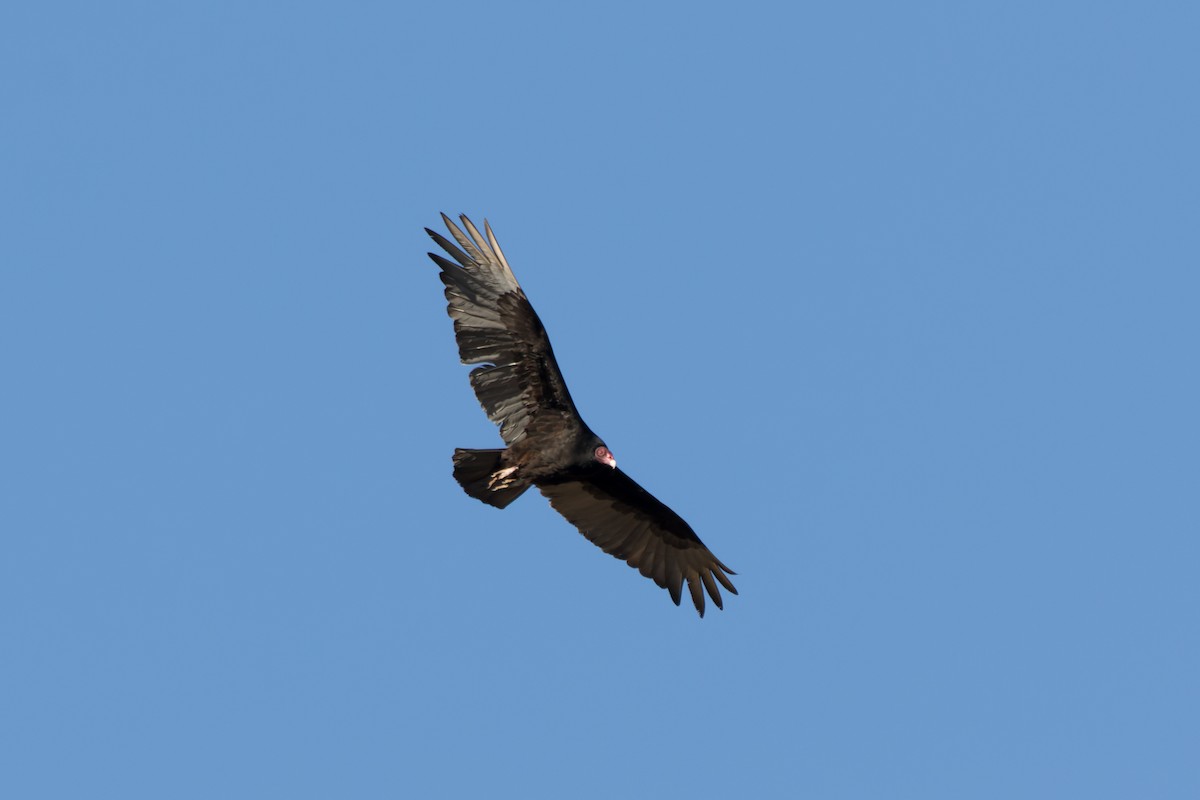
column 549, row 446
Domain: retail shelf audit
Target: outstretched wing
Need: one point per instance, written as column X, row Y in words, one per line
column 626, row 521
column 497, row 327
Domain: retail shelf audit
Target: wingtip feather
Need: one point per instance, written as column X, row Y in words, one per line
column 495, row 245
column 711, row 586
column 697, row 593
column 728, row 584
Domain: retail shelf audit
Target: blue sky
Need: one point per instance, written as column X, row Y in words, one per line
column 895, row 303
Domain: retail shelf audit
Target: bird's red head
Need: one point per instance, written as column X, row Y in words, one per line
column 605, row 456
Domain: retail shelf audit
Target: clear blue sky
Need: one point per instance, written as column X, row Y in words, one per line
column 897, row 304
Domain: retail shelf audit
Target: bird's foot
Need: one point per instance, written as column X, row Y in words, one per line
column 501, row 479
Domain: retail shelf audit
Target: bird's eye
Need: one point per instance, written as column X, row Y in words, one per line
column 601, row 453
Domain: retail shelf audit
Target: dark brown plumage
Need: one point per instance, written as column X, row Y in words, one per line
column 549, row 446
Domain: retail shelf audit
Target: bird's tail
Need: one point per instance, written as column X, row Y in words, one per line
column 476, row 471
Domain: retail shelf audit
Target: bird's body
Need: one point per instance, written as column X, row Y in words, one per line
column 519, row 385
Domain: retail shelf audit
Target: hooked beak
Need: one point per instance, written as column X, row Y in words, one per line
column 605, row 456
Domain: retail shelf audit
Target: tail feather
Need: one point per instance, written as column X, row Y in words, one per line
column 473, row 469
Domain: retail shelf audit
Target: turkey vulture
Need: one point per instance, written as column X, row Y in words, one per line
column 549, row 446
